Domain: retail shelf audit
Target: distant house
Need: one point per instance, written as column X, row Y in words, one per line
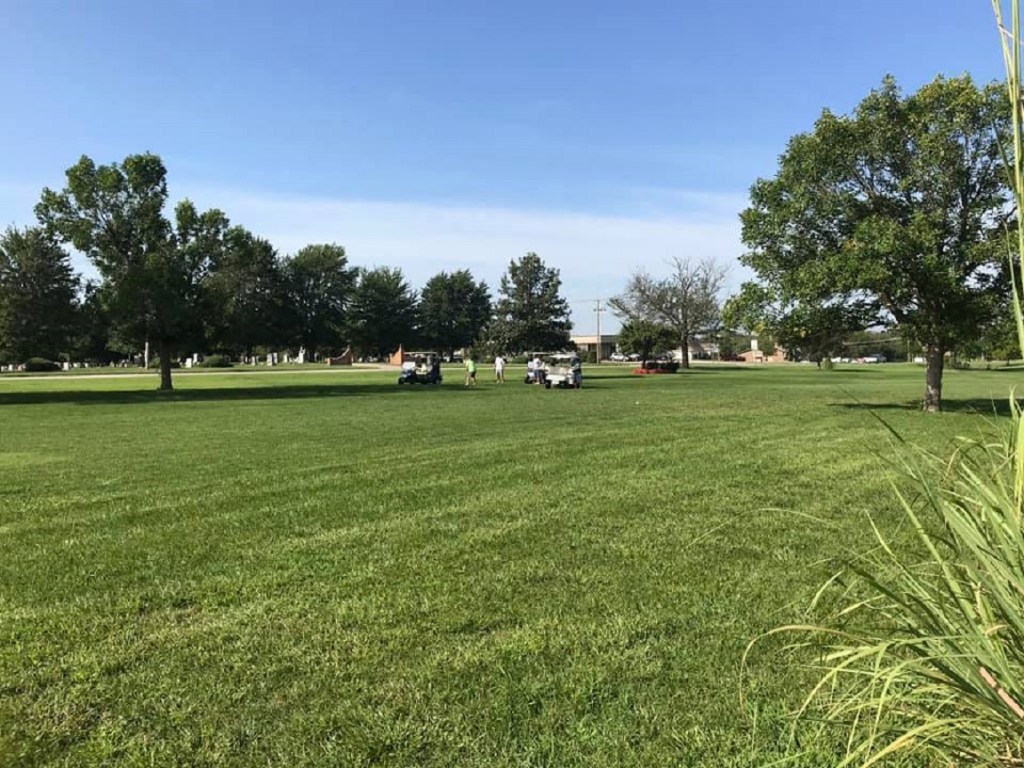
column 755, row 355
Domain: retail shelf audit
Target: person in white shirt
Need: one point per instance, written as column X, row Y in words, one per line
column 499, row 369
column 540, row 370
column 530, row 371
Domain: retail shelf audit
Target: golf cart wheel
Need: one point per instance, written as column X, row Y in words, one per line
column 547, row 385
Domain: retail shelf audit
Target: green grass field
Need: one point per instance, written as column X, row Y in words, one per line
column 330, row 569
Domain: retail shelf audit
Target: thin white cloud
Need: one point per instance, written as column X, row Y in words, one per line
column 594, row 254
column 693, row 203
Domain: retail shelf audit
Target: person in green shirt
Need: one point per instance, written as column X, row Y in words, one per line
column 470, row 372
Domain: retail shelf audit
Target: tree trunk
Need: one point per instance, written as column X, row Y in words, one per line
column 935, row 358
column 165, row 366
column 685, row 351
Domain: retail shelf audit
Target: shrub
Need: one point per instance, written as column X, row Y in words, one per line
column 671, row 366
column 925, row 651
column 40, row 365
column 216, row 361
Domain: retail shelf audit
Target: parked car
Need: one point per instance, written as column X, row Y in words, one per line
column 618, row 357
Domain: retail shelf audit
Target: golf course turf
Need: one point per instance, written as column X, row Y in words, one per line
column 330, row 569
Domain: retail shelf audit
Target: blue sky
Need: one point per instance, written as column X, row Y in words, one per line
column 605, row 136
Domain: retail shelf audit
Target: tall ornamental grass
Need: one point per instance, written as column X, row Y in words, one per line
column 922, row 662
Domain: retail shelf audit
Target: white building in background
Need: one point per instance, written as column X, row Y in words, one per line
column 698, row 350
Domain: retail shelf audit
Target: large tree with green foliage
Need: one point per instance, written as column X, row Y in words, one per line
column 153, row 269
column 896, row 211
column 38, row 296
column 383, row 315
column 246, row 295
column 530, row 313
column 454, row 310
column 320, row 286
column 645, row 338
column 686, row 300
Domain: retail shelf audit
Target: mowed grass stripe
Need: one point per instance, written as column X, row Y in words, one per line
column 335, row 570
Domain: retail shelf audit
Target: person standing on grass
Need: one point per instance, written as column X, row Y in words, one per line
column 540, row 370
column 470, row 371
column 499, row 369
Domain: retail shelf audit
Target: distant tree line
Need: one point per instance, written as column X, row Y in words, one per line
column 191, row 280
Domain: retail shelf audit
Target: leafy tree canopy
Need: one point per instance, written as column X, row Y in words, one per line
column 38, row 296
column 320, row 289
column 246, row 295
column 454, row 310
column 646, row 338
column 383, row 312
column 530, row 313
column 896, row 212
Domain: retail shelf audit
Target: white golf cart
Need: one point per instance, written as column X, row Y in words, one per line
column 564, row 371
column 536, row 365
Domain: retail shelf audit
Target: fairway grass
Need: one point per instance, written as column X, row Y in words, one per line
column 330, row 569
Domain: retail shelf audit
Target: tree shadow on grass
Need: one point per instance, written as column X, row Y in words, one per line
column 859, row 370
column 628, row 374
column 216, row 394
column 978, row 405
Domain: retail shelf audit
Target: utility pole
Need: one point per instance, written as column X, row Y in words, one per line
column 598, row 310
